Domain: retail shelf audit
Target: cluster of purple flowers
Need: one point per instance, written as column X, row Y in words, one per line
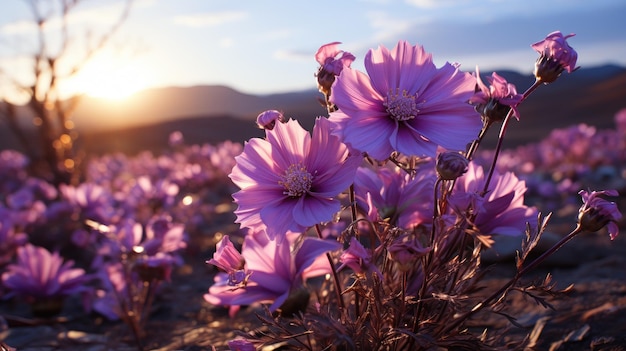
column 568, row 159
column 389, row 175
column 119, row 231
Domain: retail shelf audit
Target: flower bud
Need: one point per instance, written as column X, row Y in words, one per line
column 226, row 256
column 555, row 57
column 332, row 61
column 325, row 80
column 451, row 165
column 356, row 257
column 405, row 251
column 493, row 102
column 547, row 69
column 492, row 111
column 596, row 212
column 267, row 119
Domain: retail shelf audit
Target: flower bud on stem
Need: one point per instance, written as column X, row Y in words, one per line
column 505, row 123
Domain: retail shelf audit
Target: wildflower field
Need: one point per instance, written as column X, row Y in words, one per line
column 386, row 227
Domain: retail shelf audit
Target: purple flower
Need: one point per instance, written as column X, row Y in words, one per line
column 226, row 257
column 289, row 181
column 154, row 247
column 94, row 201
column 11, row 160
column 162, row 235
column 493, row 102
column 330, row 65
column 596, row 212
column 154, row 268
column 108, row 301
column 39, row 275
column 555, row 57
column 327, row 55
column 176, row 139
column 356, row 257
column 396, row 196
column 275, row 269
column 156, row 194
column 11, row 238
column 406, row 104
column 405, row 250
column 620, row 121
column 501, row 210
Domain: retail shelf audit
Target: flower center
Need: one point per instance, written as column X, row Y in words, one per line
column 401, row 107
column 237, row 278
column 296, row 180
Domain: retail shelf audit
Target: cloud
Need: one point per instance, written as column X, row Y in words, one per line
column 212, row 19
column 429, row 4
column 98, row 16
column 387, row 27
column 278, row 34
column 226, row 42
column 106, row 14
column 18, row 27
column 379, row 2
column 293, row 55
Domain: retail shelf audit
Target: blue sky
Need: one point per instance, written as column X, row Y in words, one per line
column 263, row 47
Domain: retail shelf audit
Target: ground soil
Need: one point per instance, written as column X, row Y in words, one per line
column 591, row 316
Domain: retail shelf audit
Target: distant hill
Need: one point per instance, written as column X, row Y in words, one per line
column 165, row 104
column 210, row 114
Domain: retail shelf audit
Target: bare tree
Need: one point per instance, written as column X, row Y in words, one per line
column 55, row 58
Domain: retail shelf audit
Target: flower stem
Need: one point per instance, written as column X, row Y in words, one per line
column 318, row 230
column 436, row 212
column 474, row 146
column 353, row 209
column 518, row 275
column 505, row 123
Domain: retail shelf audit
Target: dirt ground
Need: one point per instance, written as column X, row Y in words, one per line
column 592, row 316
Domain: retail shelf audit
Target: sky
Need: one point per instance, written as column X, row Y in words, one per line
column 265, row 47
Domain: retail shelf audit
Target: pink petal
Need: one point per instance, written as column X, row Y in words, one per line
column 292, row 140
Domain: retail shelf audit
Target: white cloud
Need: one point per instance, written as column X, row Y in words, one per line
column 291, row 55
column 210, row 19
column 226, row 42
column 379, row 2
column 278, row 34
column 106, row 14
column 18, row 27
column 99, row 15
column 429, row 4
column 387, row 27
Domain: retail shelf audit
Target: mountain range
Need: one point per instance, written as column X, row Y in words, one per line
column 211, row 114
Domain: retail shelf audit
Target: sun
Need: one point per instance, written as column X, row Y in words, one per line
column 109, row 77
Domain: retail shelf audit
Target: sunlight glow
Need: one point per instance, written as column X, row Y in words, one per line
column 109, row 77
